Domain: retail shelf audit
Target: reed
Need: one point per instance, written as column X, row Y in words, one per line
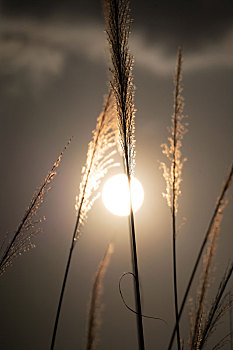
column 172, row 172
column 99, row 160
column 21, row 241
column 218, row 208
column 199, row 315
column 94, row 313
column 117, row 16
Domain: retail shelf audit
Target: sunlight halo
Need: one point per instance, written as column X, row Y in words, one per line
column 115, row 195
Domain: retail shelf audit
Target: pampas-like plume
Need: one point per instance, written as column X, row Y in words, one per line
column 172, row 173
column 94, row 319
column 99, row 160
column 199, row 315
column 21, row 241
column 117, row 16
column 218, row 208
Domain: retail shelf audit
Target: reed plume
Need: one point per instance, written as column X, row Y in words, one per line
column 117, row 14
column 199, row 314
column 218, row 208
column 172, row 173
column 117, row 17
column 27, row 228
column 99, row 160
column 94, row 316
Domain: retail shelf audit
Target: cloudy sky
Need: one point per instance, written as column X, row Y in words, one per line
column 53, row 76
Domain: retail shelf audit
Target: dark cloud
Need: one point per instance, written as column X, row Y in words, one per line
column 192, row 24
column 38, row 37
column 43, row 8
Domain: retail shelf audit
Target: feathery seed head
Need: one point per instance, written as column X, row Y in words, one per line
column 94, row 319
column 173, row 173
column 99, row 159
column 21, row 241
column 117, row 16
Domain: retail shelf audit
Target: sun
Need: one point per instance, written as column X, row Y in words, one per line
column 116, row 198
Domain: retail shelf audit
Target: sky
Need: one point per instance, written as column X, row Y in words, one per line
column 53, row 76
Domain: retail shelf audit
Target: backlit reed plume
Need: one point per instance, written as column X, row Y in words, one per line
column 172, row 172
column 218, row 209
column 21, row 241
column 198, row 317
column 99, row 160
column 94, row 313
column 117, row 17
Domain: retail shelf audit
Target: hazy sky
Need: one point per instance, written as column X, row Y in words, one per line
column 53, row 75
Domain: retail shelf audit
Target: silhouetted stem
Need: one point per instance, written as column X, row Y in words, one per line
column 135, row 270
column 175, row 279
column 174, row 195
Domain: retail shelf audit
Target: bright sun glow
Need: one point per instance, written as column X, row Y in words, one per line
column 115, row 195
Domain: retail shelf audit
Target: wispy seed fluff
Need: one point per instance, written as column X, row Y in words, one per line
column 99, row 160
column 117, row 17
column 21, row 241
column 172, row 172
column 94, row 314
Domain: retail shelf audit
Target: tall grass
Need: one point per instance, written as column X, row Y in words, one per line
column 117, row 16
column 218, row 208
column 99, row 160
column 172, row 173
column 27, row 228
column 199, row 315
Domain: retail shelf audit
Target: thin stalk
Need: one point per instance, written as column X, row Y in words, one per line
column 175, row 279
column 209, row 229
column 135, row 269
column 64, row 282
column 174, row 194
